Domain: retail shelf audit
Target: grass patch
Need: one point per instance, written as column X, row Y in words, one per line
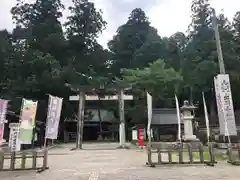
column 206, row 156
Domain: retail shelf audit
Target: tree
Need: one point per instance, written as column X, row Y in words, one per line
column 129, row 38
column 157, row 79
column 6, row 57
column 83, row 27
column 40, row 24
column 40, row 44
column 87, row 59
column 200, row 59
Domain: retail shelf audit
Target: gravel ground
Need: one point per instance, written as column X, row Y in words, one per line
column 92, row 164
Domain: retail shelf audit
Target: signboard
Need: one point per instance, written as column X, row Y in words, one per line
column 53, row 118
column 225, row 105
column 3, row 110
column 134, row 135
column 105, row 98
column 27, row 120
column 14, row 141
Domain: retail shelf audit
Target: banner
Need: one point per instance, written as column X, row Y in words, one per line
column 27, row 120
column 149, row 105
column 178, row 118
column 14, row 141
column 3, row 110
column 53, row 117
column 225, row 103
column 219, row 107
column 1, row 133
column 206, row 116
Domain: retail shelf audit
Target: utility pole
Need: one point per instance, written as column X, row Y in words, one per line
column 80, row 120
column 218, row 44
column 122, row 137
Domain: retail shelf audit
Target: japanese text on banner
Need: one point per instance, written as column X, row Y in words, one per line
column 227, row 105
column 3, row 110
column 53, row 118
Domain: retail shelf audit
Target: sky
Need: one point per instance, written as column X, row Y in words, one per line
column 168, row 16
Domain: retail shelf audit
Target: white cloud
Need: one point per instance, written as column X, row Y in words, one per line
column 168, row 16
column 175, row 15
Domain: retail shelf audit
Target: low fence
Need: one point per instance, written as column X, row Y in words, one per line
column 25, row 160
column 234, row 154
column 182, row 153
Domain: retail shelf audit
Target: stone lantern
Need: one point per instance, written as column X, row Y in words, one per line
column 187, row 117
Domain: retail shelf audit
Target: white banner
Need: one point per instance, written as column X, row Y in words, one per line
column 149, row 105
column 178, row 118
column 219, row 107
column 206, row 116
column 14, row 141
column 53, row 118
column 1, row 133
column 225, row 105
column 3, row 110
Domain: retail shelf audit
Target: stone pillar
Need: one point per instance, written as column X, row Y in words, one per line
column 187, row 116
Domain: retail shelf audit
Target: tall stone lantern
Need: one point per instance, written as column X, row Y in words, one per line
column 187, row 111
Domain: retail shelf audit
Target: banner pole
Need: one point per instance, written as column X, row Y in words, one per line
column 45, row 143
column 179, row 119
column 149, row 106
column 206, row 117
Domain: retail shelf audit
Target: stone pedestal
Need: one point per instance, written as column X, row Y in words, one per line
column 188, row 117
column 188, row 130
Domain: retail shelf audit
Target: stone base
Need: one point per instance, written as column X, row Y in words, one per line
column 224, row 139
column 190, row 138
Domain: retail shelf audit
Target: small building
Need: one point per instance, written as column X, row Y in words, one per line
column 164, row 124
column 92, row 125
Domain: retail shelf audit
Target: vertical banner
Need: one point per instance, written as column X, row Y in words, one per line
column 178, row 118
column 1, row 133
column 225, row 105
column 27, row 120
column 219, row 107
column 149, row 105
column 206, row 116
column 53, row 117
column 14, row 141
column 3, row 112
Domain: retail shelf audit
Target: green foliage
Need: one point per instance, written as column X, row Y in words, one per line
column 38, row 57
column 156, row 79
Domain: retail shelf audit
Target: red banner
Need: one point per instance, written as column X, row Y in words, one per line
column 141, row 137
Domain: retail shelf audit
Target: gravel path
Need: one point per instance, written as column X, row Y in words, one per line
column 119, row 165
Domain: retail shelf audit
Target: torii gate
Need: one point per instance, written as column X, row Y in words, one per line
column 82, row 97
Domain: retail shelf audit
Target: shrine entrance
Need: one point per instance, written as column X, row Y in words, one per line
column 86, row 125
